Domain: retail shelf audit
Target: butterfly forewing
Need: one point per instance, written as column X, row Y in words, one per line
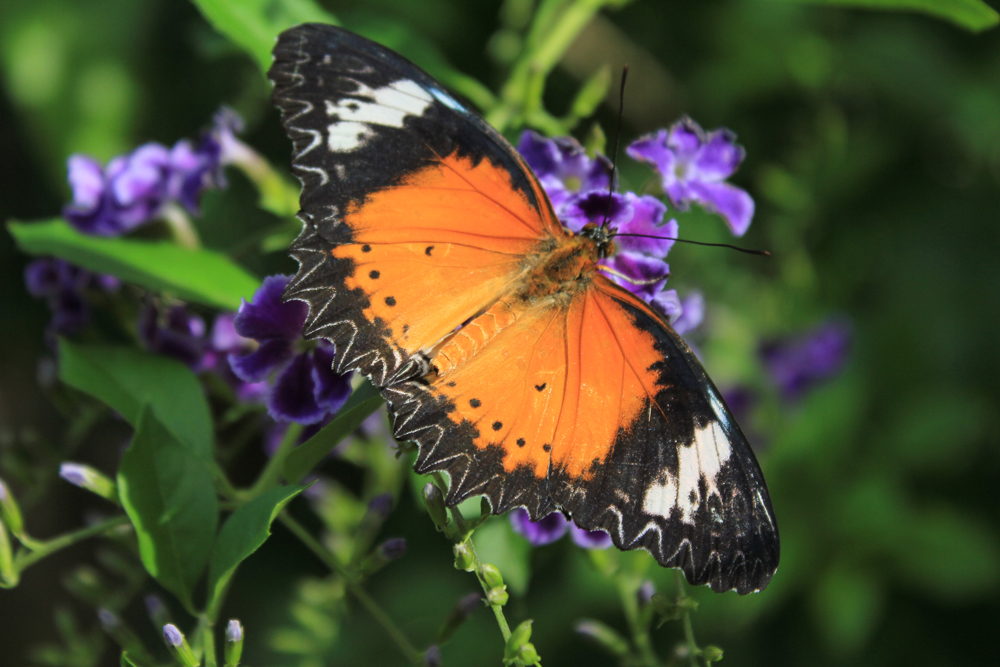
column 421, row 225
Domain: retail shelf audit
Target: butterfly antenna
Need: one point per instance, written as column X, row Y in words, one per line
column 614, row 154
column 749, row 251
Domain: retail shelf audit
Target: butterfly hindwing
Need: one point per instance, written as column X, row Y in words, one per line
column 597, row 408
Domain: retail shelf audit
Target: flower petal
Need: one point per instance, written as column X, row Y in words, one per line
column 652, row 149
column 540, row 153
column 257, row 365
column 718, row 158
column 544, row 531
column 42, row 277
column 692, row 313
column 589, row 539
column 331, row 388
column 796, row 363
column 593, row 207
column 267, row 316
column 86, row 179
column 668, row 303
column 647, row 214
column 733, row 204
column 292, row 397
column 685, row 138
column 648, row 274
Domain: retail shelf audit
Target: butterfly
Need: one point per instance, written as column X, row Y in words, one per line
column 432, row 258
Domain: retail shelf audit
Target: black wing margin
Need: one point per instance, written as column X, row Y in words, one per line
column 682, row 481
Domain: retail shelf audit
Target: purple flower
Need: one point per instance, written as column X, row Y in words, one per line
column 305, row 387
column 684, row 315
column 223, row 341
column 694, row 166
column 552, row 527
column 175, row 332
column 563, row 167
column 544, row 531
column 133, row 189
column 638, row 265
column 199, row 167
column 62, row 285
column 797, row 363
column 114, row 200
column 589, row 539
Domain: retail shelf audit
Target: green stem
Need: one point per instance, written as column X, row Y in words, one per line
column 692, row 645
column 208, row 641
column 360, row 594
column 25, row 558
column 272, row 472
column 539, row 60
column 180, row 226
column 627, row 589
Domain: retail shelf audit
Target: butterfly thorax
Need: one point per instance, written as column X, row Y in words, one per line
column 561, row 270
column 556, row 273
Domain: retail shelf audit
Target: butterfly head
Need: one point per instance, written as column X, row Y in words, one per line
column 602, row 235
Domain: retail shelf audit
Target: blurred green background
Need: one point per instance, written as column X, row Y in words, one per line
column 873, row 143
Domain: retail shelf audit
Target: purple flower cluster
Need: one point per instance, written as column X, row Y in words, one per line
column 693, row 167
column 133, row 189
column 305, row 388
column 550, row 528
column 799, row 362
column 63, row 286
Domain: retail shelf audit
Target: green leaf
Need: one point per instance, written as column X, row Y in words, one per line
column 126, row 379
column 363, row 402
column 975, row 15
column 254, row 24
column 243, row 533
column 126, row 661
column 497, row 543
column 198, row 276
column 168, row 494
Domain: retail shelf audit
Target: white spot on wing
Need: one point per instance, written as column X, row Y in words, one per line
column 386, row 106
column 705, row 456
column 447, row 100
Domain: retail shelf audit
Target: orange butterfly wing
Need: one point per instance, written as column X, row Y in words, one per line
column 599, row 409
column 422, row 229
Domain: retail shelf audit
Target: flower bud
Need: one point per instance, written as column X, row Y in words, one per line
column 497, row 595
column 645, row 593
column 435, row 505
column 8, row 573
column 463, row 557
column 711, row 653
column 518, row 650
column 492, row 576
column 393, row 548
column 604, row 636
column 179, row 646
column 459, row 613
column 10, row 513
column 90, row 479
column 234, row 643
column 432, row 658
column 157, row 611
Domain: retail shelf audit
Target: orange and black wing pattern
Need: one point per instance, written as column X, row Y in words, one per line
column 424, row 255
column 416, row 213
column 597, row 408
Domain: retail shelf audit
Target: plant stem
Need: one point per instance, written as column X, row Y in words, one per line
column 180, row 226
column 692, row 645
column 207, row 641
column 360, row 594
column 25, row 557
column 272, row 472
column 627, row 588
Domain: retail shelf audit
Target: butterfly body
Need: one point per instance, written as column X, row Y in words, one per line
column 432, row 258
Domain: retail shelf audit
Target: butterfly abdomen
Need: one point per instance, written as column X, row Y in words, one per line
column 471, row 338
